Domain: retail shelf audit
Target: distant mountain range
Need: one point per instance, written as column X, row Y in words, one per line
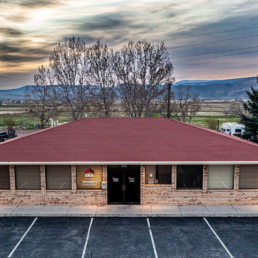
column 213, row 89
column 221, row 89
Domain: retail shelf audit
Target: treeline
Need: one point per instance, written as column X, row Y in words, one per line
column 83, row 78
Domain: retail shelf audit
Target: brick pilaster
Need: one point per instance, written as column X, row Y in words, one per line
column 43, row 177
column 73, row 175
column 142, row 182
column 173, row 177
column 205, row 178
column 104, row 175
column 12, row 178
column 236, row 177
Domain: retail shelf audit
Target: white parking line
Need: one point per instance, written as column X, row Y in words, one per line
column 87, row 239
column 22, row 238
column 230, row 255
column 152, row 240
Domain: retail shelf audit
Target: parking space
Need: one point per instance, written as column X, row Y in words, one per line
column 119, row 237
column 185, row 237
column 11, row 231
column 240, row 235
column 128, row 237
column 49, row 237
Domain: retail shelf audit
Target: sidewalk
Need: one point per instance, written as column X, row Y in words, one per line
column 129, row 211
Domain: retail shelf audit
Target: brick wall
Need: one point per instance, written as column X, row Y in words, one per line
column 150, row 194
column 43, row 196
column 167, row 194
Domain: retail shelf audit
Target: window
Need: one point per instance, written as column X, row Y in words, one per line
column 228, row 130
column 27, row 177
column 160, row 174
column 4, row 178
column 221, row 177
column 58, row 177
column 189, row 177
column 238, row 130
column 248, row 177
column 89, row 177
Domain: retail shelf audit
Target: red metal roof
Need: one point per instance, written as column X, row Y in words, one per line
column 125, row 140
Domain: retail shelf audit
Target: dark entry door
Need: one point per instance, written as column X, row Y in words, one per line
column 124, row 184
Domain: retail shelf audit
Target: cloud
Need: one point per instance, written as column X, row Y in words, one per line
column 20, row 58
column 31, row 3
column 30, row 29
column 39, row 3
column 6, row 48
column 22, row 52
column 10, row 31
column 108, row 22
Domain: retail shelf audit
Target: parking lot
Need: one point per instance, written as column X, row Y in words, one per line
column 128, row 237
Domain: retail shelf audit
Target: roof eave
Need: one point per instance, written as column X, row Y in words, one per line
column 134, row 163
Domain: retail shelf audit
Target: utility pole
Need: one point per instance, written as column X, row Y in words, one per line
column 169, row 92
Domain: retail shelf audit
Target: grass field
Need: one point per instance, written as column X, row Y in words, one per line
column 30, row 119
column 208, row 109
column 200, row 120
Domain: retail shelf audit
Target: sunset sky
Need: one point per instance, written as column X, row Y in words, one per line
column 30, row 29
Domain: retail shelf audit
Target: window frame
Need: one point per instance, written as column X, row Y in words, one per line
column 15, row 173
column 190, row 189
column 89, row 189
column 247, row 189
column 221, row 189
column 57, row 188
column 7, row 189
column 156, row 173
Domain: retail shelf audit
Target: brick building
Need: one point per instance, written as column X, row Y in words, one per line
column 128, row 160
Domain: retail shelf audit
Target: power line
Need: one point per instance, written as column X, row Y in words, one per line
column 213, row 42
column 216, row 57
column 215, row 52
column 212, row 33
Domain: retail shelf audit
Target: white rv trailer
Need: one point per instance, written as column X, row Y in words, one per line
column 232, row 128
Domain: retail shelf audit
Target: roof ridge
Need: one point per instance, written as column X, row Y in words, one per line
column 215, row 132
column 37, row 132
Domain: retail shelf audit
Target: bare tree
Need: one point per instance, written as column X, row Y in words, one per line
column 101, row 75
column 185, row 105
column 235, row 109
column 143, row 71
column 69, row 68
column 194, row 106
column 41, row 98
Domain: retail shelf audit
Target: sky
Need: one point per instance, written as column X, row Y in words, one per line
column 206, row 40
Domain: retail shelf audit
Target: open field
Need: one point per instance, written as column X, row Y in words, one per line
column 213, row 109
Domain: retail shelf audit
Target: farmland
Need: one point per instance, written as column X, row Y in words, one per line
column 213, row 109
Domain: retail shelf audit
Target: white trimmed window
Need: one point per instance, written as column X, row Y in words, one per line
column 160, row 174
column 4, row 178
column 58, row 177
column 27, row 177
column 221, row 177
column 248, row 177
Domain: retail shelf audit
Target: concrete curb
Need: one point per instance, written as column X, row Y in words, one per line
column 128, row 211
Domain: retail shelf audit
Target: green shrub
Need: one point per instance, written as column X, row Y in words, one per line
column 155, row 115
column 211, row 123
column 9, row 122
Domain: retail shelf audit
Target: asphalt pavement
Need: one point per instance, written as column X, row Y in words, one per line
column 128, row 237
